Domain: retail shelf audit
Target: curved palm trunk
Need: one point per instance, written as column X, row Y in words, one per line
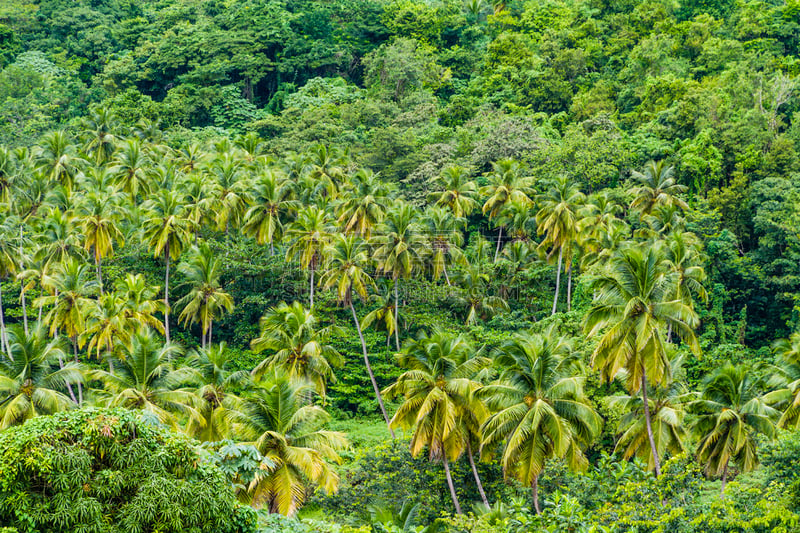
column 475, row 474
column 724, row 479
column 3, row 337
column 569, row 288
column 98, row 262
column 396, row 317
column 166, row 293
column 446, row 277
column 69, row 386
column 311, row 287
column 499, row 240
column 75, row 357
column 369, row 368
column 558, row 279
column 450, row 483
column 653, row 449
column 22, row 289
column 535, row 487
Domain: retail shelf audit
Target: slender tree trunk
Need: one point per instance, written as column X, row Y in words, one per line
column 569, row 288
column 75, row 357
column 69, row 387
column 499, row 240
column 450, row 483
column 535, row 487
column 202, row 338
column 669, row 332
column 558, row 279
column 22, row 288
column 475, row 474
column 648, row 423
column 311, row 287
column 396, row 317
column 41, row 307
column 4, row 346
column 98, row 261
column 446, row 277
column 166, row 292
column 210, row 329
column 369, row 368
column 724, row 480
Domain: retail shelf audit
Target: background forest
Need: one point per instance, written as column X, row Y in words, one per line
column 399, row 266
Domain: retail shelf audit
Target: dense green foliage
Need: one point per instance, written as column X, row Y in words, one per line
column 399, row 265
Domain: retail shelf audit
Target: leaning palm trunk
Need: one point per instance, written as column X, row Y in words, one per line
column 74, row 340
column 475, row 474
column 535, row 487
column 3, row 337
column 558, row 279
column 98, row 261
column 724, row 479
column 166, row 293
column 499, row 240
column 450, row 483
column 569, row 288
column 396, row 317
column 653, row 449
column 369, row 368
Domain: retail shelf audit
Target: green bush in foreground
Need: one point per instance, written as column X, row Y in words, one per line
column 108, row 470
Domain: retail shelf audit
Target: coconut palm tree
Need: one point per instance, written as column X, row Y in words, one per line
column 97, row 214
column 60, row 238
column 656, row 186
column 438, row 397
column 100, row 139
column 145, row 379
column 445, row 235
column 384, row 313
column 298, row 346
column 271, row 202
column 558, row 219
column 506, row 184
column 785, row 381
column 287, row 430
column 129, row 168
column 635, row 303
column 310, row 233
column 667, row 410
column 362, row 208
column 540, row 409
column 399, row 250
column 730, row 412
column 206, row 299
column 327, row 170
column 475, row 298
column 228, row 195
column 456, row 191
column 140, row 303
column 9, row 265
column 31, row 382
column 218, row 405
column 166, row 230
column 57, row 159
column 345, row 272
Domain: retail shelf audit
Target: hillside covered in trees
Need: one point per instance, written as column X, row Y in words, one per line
column 399, row 266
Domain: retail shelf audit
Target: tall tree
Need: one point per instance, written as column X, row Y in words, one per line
column 540, row 409
column 310, row 234
column 445, row 234
column 9, row 265
column 345, row 272
column 289, row 431
column 730, row 412
column 362, row 208
column 206, row 299
column 635, row 303
column 456, row 191
column 98, row 218
column 506, row 184
column 656, row 186
column 558, row 219
column 271, row 202
column 166, row 230
column 438, row 397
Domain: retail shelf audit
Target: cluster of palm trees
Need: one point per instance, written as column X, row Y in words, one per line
column 68, row 205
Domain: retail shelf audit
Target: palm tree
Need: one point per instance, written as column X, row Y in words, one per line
column 600, row 231
column 166, row 231
column 636, row 301
column 145, row 379
column 558, row 219
column 129, row 168
column 98, row 218
column 657, row 186
column 285, row 429
column 476, row 299
column 60, row 238
column 9, row 265
column 298, row 345
column 99, row 126
column 399, row 249
column 106, row 325
column 730, row 412
column 327, row 170
column 785, row 381
column 455, row 191
column 446, row 239
column 218, row 406
column 667, row 409
column 140, row 303
column 384, row 313
column 438, row 390
column 30, row 380
column 271, row 202
column 206, row 299
column 364, row 204
column 506, row 184
column 347, row 260
column 229, row 191
column 540, row 409
column 310, row 233
column 57, row 159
